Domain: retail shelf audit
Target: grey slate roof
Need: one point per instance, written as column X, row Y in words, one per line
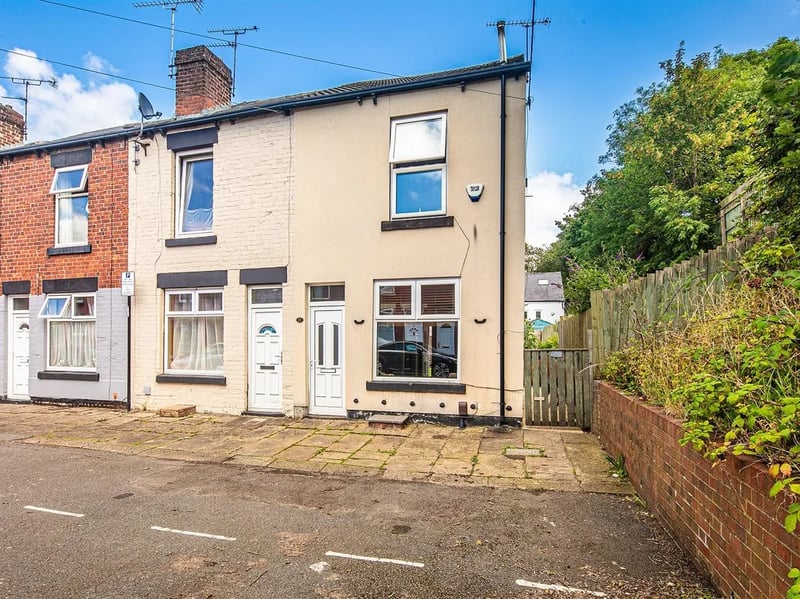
column 552, row 292
column 360, row 90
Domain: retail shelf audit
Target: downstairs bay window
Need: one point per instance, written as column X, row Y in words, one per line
column 71, row 337
column 194, row 331
column 416, row 329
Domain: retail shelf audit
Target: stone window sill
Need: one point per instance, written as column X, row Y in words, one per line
column 64, row 375
column 427, row 222
column 191, row 379
column 69, row 250
column 187, row 241
column 417, row 387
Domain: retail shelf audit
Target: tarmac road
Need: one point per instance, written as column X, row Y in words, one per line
column 130, row 526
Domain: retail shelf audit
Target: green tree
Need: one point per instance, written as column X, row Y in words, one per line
column 674, row 152
column 781, row 137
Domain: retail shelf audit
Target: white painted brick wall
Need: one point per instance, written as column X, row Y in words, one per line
column 253, row 187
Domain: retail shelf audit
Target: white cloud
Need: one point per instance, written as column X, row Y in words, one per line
column 73, row 106
column 98, row 63
column 548, row 197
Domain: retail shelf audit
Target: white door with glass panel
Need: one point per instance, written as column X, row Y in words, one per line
column 19, row 348
column 264, row 394
column 327, row 361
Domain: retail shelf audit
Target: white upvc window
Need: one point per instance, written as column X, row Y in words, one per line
column 194, row 194
column 193, row 340
column 71, row 331
column 416, row 328
column 418, row 162
column 71, row 206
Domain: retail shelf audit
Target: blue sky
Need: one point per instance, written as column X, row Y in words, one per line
column 588, row 62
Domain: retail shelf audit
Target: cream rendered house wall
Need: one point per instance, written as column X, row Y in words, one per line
column 253, row 223
column 342, row 190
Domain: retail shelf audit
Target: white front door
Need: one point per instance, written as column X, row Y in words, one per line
column 264, row 389
column 20, row 356
column 327, row 361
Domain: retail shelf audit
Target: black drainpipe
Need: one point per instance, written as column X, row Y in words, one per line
column 502, row 248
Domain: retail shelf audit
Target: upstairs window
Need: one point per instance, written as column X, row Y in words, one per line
column 71, row 341
column 195, row 194
column 417, row 157
column 71, row 206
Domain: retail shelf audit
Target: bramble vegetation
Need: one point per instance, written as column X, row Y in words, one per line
column 733, row 372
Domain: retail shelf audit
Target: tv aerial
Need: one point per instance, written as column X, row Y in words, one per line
column 235, row 32
column 172, row 6
column 27, row 82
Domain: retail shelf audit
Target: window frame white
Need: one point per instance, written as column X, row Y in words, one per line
column 64, row 169
column 432, row 162
column 67, row 314
column 193, row 313
column 416, row 315
column 182, row 159
column 69, row 193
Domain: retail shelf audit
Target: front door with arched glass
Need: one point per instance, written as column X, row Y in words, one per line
column 265, row 352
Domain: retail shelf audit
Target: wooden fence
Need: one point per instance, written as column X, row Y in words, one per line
column 668, row 297
column 558, row 387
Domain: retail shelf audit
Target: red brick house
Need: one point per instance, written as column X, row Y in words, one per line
column 63, row 247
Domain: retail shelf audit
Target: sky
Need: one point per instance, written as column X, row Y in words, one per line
column 587, row 62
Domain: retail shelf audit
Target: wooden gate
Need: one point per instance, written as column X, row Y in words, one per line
column 558, row 387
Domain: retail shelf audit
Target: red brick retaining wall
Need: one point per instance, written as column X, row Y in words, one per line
column 723, row 517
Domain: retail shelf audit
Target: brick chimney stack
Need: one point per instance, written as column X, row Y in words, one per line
column 202, row 81
column 12, row 126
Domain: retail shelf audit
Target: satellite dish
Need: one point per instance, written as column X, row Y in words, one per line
column 146, row 108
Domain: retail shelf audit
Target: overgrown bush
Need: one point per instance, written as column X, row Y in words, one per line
column 732, row 372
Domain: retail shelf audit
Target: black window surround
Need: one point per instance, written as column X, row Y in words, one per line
column 82, row 285
column 189, row 140
column 191, row 379
column 59, row 375
column 417, row 387
column 16, row 288
column 69, row 250
column 423, row 222
column 179, row 280
column 263, row 276
column 71, row 158
column 188, row 241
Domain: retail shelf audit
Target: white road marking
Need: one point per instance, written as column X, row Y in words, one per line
column 319, row 567
column 192, row 533
column 383, row 560
column 49, row 511
column 558, row 587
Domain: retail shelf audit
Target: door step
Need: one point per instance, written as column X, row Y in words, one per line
column 176, row 411
column 388, row 420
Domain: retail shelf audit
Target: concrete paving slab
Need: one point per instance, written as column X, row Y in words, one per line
column 573, row 462
column 451, row 466
column 498, row 466
column 331, row 456
column 298, row 453
column 365, row 462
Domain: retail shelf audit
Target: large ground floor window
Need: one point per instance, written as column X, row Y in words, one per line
column 71, row 337
column 416, row 328
column 194, row 331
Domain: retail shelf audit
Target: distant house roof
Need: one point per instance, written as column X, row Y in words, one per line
column 359, row 91
column 544, row 287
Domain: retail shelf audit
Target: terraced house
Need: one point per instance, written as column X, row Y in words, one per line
column 334, row 253
column 339, row 253
column 63, row 247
